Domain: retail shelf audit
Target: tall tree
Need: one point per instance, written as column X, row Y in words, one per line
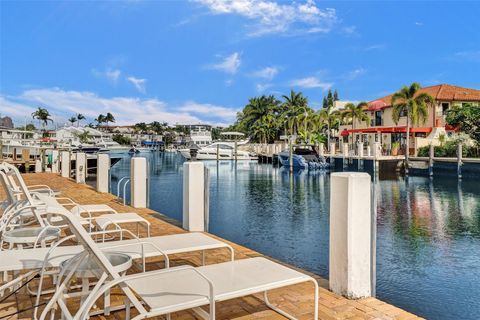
column 295, row 105
column 109, row 118
column 352, row 113
column 332, row 120
column 414, row 104
column 80, row 117
column 330, row 97
column 335, row 95
column 72, row 120
column 100, row 119
column 324, row 103
column 43, row 117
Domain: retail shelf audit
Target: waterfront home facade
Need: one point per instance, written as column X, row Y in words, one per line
column 136, row 137
column 382, row 129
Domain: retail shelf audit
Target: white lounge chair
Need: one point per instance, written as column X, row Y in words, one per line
column 165, row 291
column 20, row 192
column 14, row 176
column 33, row 260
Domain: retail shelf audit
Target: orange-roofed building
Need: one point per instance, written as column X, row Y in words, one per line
column 381, row 127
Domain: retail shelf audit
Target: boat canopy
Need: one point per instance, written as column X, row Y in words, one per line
column 232, row 133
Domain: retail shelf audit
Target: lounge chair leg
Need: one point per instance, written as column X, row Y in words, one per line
column 275, row 308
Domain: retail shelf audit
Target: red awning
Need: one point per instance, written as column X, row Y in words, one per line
column 402, row 129
column 344, row 133
column 376, row 105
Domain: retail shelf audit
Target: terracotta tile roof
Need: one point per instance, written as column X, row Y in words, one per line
column 443, row 92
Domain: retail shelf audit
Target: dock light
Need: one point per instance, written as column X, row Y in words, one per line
column 193, row 151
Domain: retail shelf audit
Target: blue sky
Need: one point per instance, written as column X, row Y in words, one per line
column 200, row 61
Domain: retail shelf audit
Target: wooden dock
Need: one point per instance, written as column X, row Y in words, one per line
column 296, row 299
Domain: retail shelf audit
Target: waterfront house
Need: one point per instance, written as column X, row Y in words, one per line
column 381, row 127
column 199, row 134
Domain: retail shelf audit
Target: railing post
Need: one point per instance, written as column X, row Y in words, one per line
column 431, row 155
column 351, row 235
column 65, row 164
column 138, row 182
column 459, row 160
column 103, row 172
column 320, row 149
column 194, row 196
column 80, row 167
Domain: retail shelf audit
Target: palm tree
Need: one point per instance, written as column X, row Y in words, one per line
column 295, row 107
column 256, row 109
column 331, row 118
column 352, row 113
column 109, row 118
column 43, row 116
column 100, row 119
column 84, row 137
column 72, row 120
column 413, row 104
column 79, row 118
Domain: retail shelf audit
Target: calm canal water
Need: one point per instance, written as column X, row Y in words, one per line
column 428, row 247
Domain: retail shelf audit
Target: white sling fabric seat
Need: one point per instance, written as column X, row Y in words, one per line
column 183, row 289
column 27, row 259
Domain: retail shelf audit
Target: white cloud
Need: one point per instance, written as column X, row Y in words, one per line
column 261, row 87
column 271, row 17
column 127, row 110
column 266, row 73
column 229, row 64
column 471, row 55
column 138, row 83
column 350, row 30
column 311, row 82
column 355, row 73
column 112, row 75
column 419, row 23
column 229, row 82
column 209, row 109
column 379, row 46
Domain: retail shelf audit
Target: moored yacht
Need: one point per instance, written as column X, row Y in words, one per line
column 220, row 151
column 303, row 157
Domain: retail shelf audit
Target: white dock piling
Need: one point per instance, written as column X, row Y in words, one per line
column 65, row 164
column 80, row 167
column 360, row 150
column 103, row 172
column 332, row 148
column 350, row 235
column 38, row 166
column 193, row 196
column 320, row 149
column 431, row 155
column 459, row 161
column 55, row 155
column 345, row 150
column 138, row 182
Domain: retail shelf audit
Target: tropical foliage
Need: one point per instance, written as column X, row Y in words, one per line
column 43, row 117
column 84, row 137
column 266, row 118
column 355, row 112
column 413, row 104
column 121, row 139
column 467, row 119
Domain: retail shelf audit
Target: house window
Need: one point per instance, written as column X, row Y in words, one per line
column 403, row 113
column 445, row 106
column 378, row 118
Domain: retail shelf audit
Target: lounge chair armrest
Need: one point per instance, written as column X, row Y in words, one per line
column 37, row 186
column 95, row 294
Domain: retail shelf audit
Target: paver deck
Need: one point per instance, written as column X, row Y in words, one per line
column 297, row 300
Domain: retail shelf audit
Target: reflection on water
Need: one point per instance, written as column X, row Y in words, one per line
column 428, row 247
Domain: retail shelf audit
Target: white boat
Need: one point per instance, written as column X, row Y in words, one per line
column 220, row 151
